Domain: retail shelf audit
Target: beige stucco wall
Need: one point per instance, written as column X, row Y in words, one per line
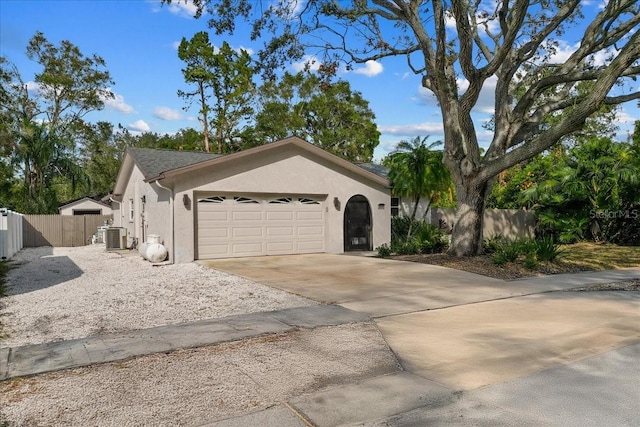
column 285, row 170
column 85, row 205
column 405, row 207
column 150, row 217
column 509, row 223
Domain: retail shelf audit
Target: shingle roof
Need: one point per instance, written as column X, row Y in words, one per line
column 152, row 162
column 375, row 168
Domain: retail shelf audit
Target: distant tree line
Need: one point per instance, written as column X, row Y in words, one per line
column 50, row 153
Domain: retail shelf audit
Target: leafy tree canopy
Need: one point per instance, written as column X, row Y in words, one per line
column 328, row 114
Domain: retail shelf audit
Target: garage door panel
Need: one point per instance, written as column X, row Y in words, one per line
column 208, row 216
column 213, row 235
column 231, row 226
column 255, row 232
column 309, row 216
column 213, row 250
column 311, row 231
column 310, row 246
column 280, row 231
column 246, row 216
column 247, row 249
column 280, row 216
column 274, row 248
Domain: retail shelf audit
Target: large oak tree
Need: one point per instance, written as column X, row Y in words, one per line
column 446, row 42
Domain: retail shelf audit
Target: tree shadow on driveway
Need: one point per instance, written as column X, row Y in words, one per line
column 41, row 272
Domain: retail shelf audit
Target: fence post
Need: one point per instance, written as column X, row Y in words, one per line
column 4, row 234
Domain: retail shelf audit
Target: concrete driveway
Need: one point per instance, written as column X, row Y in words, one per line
column 460, row 329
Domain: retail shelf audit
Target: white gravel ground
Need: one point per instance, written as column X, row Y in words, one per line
column 65, row 293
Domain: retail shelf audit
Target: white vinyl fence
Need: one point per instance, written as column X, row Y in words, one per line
column 10, row 233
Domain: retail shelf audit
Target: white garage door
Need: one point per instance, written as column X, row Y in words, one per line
column 249, row 225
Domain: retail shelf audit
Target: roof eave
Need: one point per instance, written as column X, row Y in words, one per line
column 123, row 174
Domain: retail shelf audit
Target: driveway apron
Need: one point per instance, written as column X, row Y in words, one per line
column 460, row 329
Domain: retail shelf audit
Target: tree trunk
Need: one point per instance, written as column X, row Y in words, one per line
column 466, row 239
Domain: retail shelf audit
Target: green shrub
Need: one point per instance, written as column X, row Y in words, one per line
column 491, row 244
column 425, row 238
column 408, row 247
column 498, row 259
column 400, row 227
column 430, row 239
column 530, row 261
column 546, row 249
column 384, row 251
column 510, row 251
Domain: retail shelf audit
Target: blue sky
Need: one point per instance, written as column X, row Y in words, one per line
column 138, row 40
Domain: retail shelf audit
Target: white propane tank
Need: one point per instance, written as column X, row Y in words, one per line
column 142, row 250
column 153, row 238
column 156, row 252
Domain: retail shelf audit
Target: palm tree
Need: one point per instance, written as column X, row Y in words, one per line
column 43, row 157
column 417, row 171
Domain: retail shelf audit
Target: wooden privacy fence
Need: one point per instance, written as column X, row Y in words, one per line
column 60, row 230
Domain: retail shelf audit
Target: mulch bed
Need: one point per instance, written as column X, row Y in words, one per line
column 482, row 265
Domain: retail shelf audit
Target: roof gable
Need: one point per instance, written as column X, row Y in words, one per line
column 260, row 150
column 82, row 200
column 157, row 164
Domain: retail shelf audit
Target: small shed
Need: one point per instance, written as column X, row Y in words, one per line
column 85, row 206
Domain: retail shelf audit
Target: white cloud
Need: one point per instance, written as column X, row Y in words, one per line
column 176, row 44
column 184, row 8
column 166, row 113
column 140, row 126
column 117, row 103
column 370, row 69
column 310, row 61
column 449, row 20
column 485, row 103
column 624, row 117
column 33, row 87
column 412, row 130
column 246, row 49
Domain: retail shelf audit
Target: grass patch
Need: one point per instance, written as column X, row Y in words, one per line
column 601, row 256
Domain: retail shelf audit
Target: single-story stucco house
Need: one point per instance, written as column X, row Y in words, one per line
column 85, row 206
column 287, row 197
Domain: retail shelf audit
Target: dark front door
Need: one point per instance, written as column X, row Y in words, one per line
column 357, row 224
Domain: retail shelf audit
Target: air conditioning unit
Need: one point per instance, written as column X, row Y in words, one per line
column 115, row 238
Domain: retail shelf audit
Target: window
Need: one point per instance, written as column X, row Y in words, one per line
column 395, row 206
column 213, row 199
column 239, row 199
column 281, row 201
column 306, row 201
column 131, row 213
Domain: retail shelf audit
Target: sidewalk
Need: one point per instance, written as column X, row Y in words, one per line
column 600, row 390
column 40, row 358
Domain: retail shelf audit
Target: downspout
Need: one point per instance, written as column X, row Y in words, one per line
column 173, row 233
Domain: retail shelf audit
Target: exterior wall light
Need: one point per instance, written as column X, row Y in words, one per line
column 336, row 203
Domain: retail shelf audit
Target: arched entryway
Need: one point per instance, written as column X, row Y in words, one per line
column 357, row 224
